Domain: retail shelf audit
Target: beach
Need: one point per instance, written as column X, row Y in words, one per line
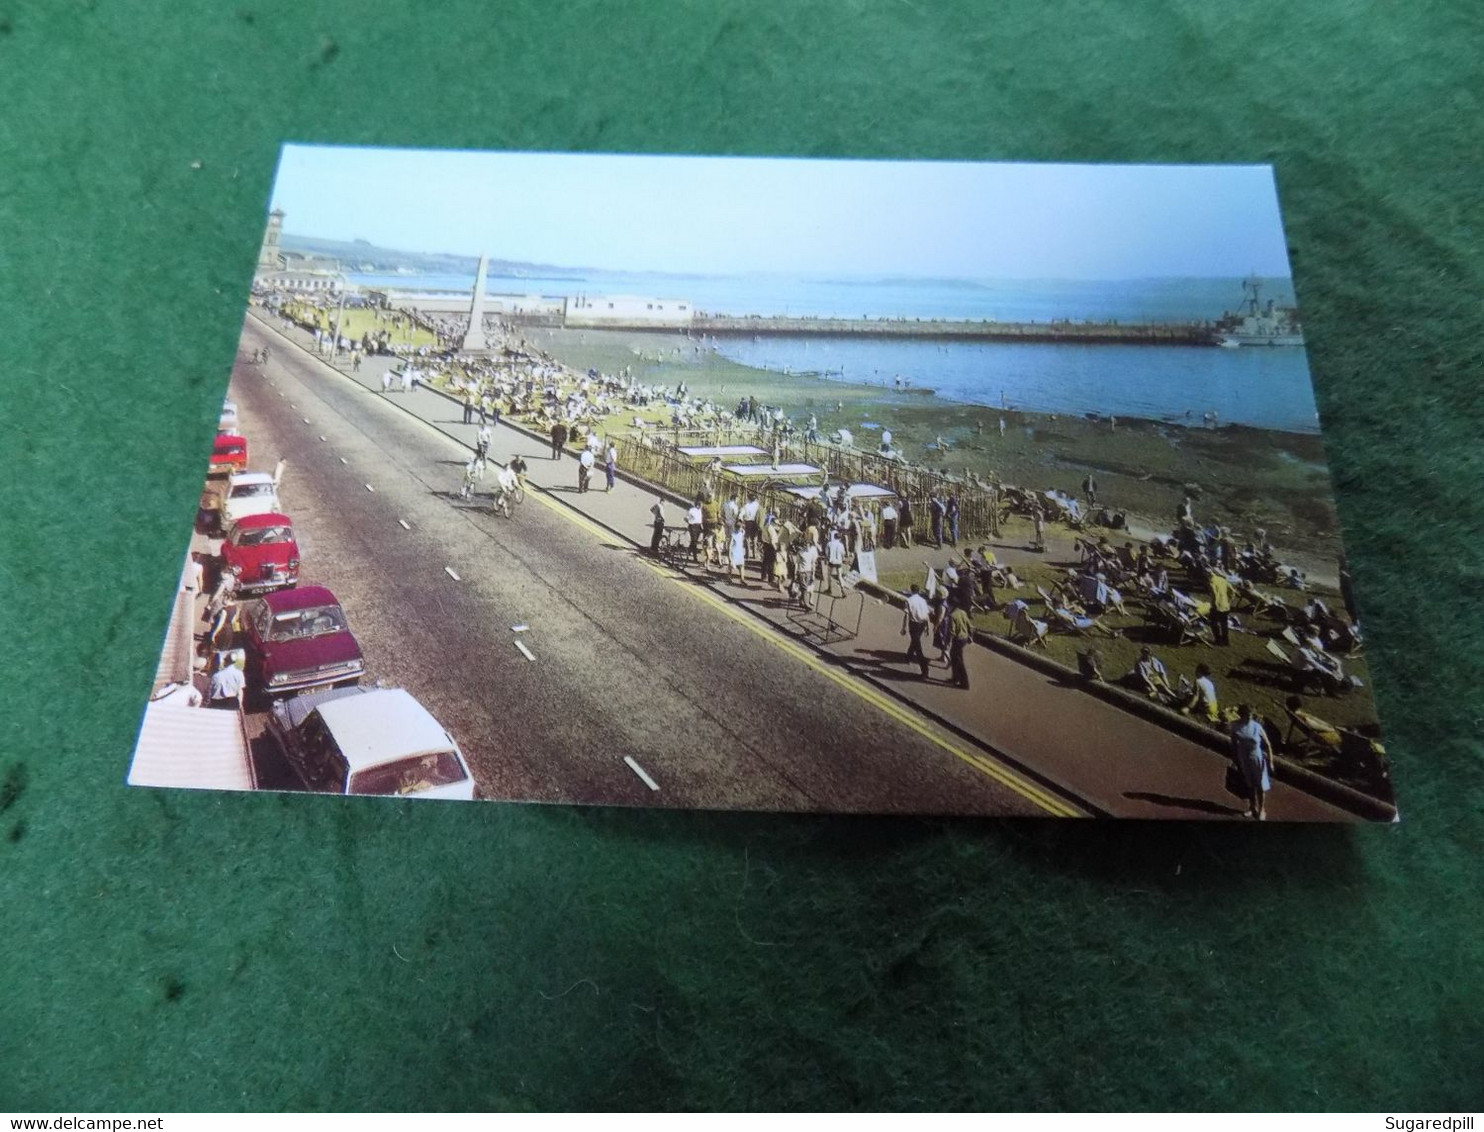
column 1238, row 476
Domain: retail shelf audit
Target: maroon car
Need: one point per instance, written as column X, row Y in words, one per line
column 298, row 639
column 262, row 550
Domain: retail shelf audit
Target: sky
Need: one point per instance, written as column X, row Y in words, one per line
column 786, row 216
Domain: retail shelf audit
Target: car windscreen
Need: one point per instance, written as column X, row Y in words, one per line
column 230, row 450
column 264, row 536
column 248, row 490
column 313, row 622
column 408, row 776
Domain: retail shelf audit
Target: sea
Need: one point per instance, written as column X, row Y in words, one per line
column 1263, row 387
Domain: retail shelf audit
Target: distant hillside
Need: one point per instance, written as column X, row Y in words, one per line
column 363, row 256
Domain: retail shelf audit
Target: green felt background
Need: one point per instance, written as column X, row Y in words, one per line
column 181, row 951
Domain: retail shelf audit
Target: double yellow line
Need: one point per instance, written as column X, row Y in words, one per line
column 987, row 766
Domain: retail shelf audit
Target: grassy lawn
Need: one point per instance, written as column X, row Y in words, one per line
column 1244, row 671
column 358, row 321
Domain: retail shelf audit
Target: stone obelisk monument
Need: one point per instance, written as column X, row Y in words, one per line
column 474, row 341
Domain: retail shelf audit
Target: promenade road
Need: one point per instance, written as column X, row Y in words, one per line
column 1117, row 763
column 714, row 707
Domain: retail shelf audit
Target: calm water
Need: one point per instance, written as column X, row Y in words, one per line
column 1269, row 388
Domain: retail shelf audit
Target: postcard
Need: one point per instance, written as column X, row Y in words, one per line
column 764, row 484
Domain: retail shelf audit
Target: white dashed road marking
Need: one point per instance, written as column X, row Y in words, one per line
column 525, row 652
column 639, row 770
column 450, row 572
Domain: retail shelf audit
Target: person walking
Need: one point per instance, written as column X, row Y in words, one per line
column 1090, row 490
column 915, row 619
column 694, row 524
column 584, row 469
column 960, row 635
column 469, row 407
column 657, row 513
column 1252, row 751
column 834, row 556
column 482, row 444
column 906, row 523
column 1221, row 606
column 558, row 439
column 737, row 556
column 937, row 509
column 888, row 524
column 951, row 513
column 610, row 466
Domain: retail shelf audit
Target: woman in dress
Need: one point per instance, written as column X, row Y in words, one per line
column 1252, row 751
column 737, row 555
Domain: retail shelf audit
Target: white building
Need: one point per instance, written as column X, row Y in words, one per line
column 627, row 310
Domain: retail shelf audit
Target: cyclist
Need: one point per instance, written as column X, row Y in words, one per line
column 471, row 476
column 509, row 482
column 518, row 466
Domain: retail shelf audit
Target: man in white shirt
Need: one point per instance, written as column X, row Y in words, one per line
column 888, row 525
column 915, row 618
column 693, row 521
column 508, row 482
column 226, row 687
column 808, row 569
column 483, row 446
column 748, row 516
column 834, row 555
column 584, row 468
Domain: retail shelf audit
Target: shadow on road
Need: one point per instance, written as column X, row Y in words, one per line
column 1199, row 805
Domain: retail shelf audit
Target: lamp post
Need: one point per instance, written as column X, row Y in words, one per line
column 339, row 316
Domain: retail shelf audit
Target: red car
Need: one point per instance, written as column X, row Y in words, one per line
column 262, row 551
column 228, row 455
column 297, row 639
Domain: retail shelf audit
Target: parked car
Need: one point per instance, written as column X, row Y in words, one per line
column 248, row 493
column 297, row 639
column 228, row 454
column 228, row 420
column 369, row 741
column 263, row 551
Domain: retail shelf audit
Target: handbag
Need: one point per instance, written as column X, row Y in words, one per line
column 1236, row 781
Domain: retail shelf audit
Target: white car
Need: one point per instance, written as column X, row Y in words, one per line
column 228, row 421
column 248, row 493
column 369, row 741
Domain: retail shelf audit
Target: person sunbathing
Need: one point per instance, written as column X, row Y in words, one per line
column 1310, row 728
column 1075, row 619
column 1149, row 677
column 1202, row 701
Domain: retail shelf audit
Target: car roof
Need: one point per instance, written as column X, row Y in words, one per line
column 382, row 725
column 225, row 438
column 266, row 519
column 300, row 597
column 248, row 477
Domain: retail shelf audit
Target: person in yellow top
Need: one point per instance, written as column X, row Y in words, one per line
column 1221, row 605
column 960, row 636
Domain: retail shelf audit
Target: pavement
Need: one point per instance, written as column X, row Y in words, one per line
column 1039, row 729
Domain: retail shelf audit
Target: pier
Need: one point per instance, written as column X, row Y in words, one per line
column 1092, row 333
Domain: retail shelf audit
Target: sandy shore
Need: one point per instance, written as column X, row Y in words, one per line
column 1241, row 477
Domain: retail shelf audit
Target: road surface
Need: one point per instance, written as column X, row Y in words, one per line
column 715, row 711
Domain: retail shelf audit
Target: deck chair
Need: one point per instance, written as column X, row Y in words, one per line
column 1081, row 625
column 1181, row 625
column 1026, row 630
